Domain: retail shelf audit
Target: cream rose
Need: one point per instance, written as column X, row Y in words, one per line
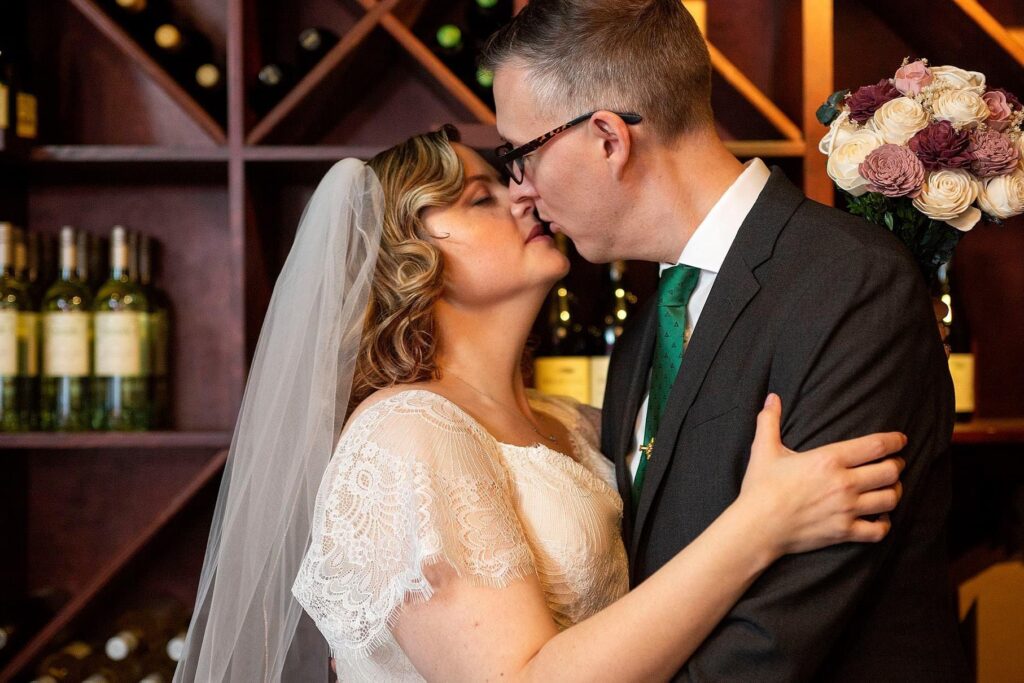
column 838, row 132
column 844, row 163
column 1003, row 196
column 947, row 196
column 962, row 108
column 1020, row 146
column 899, row 119
column 960, row 79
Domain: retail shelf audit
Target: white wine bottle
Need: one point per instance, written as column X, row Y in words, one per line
column 15, row 386
column 28, row 334
column 120, row 396
column 617, row 305
column 65, row 664
column 67, row 344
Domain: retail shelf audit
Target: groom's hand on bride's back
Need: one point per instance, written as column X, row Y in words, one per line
column 825, row 495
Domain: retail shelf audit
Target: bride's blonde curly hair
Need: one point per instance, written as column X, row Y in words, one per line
column 399, row 343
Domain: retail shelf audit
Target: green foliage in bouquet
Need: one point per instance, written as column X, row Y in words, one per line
column 931, row 242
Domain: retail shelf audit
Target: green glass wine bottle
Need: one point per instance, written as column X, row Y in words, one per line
column 28, row 334
column 15, row 394
column 67, row 337
column 159, row 334
column 120, row 395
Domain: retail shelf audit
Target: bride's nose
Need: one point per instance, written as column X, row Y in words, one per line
column 522, row 209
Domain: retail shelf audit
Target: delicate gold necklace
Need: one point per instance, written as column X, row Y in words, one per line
column 550, row 437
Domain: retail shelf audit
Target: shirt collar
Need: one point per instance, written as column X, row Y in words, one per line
column 711, row 241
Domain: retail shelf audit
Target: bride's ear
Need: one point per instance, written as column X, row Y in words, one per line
column 615, row 139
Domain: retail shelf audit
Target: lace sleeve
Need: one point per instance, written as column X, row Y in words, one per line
column 411, row 483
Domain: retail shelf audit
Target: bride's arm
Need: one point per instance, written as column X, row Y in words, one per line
column 790, row 502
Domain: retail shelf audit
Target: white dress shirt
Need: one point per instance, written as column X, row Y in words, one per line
column 706, row 249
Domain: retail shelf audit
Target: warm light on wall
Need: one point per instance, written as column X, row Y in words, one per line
column 699, row 10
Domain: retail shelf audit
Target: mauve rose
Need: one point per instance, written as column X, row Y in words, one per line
column 894, row 171
column 941, row 146
column 999, row 110
column 865, row 101
column 1011, row 99
column 993, row 154
column 911, row 78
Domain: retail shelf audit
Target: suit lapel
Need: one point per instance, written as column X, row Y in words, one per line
column 734, row 287
column 629, row 367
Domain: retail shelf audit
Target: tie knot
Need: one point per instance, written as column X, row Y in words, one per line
column 676, row 285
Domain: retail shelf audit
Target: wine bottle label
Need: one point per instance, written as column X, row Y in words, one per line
column 598, row 379
column 8, row 343
column 28, row 344
column 158, row 335
column 66, row 344
column 28, row 116
column 564, row 376
column 961, row 368
column 5, row 107
column 119, row 342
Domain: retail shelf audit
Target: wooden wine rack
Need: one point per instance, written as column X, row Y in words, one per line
column 135, row 147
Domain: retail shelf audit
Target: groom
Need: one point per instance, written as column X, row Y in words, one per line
column 762, row 290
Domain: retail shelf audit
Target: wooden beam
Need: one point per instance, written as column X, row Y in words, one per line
column 993, row 28
column 737, row 79
column 819, row 78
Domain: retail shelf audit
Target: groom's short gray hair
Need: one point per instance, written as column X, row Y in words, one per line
column 642, row 56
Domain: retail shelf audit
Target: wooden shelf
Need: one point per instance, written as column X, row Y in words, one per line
column 995, row 432
column 113, row 570
column 113, row 440
column 298, row 153
column 127, row 154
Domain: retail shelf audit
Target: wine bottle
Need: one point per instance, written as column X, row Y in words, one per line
column 28, row 333
column 26, row 105
column 120, row 397
column 450, row 45
column 181, row 49
column 176, row 646
column 961, row 358
column 272, row 83
column 562, row 365
column 65, row 664
column 617, row 302
column 486, row 17
column 159, row 333
column 101, row 669
column 314, row 43
column 209, row 89
column 6, row 73
column 145, row 629
column 67, row 336
column 18, row 341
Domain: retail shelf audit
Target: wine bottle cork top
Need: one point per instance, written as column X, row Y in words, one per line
column 134, row 5
column 271, row 74
column 449, row 36
column 120, row 646
column 167, row 36
column 485, row 77
column 487, row 4
column 208, row 75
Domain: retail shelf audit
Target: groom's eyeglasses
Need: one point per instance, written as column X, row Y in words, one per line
column 514, row 159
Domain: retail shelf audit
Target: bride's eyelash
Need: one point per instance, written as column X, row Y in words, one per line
column 483, row 201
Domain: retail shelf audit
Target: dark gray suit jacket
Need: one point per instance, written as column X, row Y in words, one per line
column 829, row 312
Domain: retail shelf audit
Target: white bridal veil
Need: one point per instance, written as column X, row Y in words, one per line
column 246, row 626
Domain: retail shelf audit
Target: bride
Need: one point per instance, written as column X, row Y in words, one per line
column 391, row 476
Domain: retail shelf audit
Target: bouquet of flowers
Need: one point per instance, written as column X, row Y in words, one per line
column 927, row 153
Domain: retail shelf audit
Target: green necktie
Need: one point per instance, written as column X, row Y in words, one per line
column 674, row 289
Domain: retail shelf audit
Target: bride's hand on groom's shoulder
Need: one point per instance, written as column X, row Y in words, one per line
column 837, row 493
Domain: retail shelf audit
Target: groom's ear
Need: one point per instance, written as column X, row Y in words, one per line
column 614, row 135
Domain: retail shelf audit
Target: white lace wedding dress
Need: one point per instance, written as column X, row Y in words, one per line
column 416, row 480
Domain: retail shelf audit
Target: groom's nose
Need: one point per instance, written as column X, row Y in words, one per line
column 522, row 192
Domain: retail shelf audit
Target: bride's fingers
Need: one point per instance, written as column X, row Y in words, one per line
column 877, row 502
column 867, row 531
column 877, row 474
column 769, row 425
column 866, row 449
